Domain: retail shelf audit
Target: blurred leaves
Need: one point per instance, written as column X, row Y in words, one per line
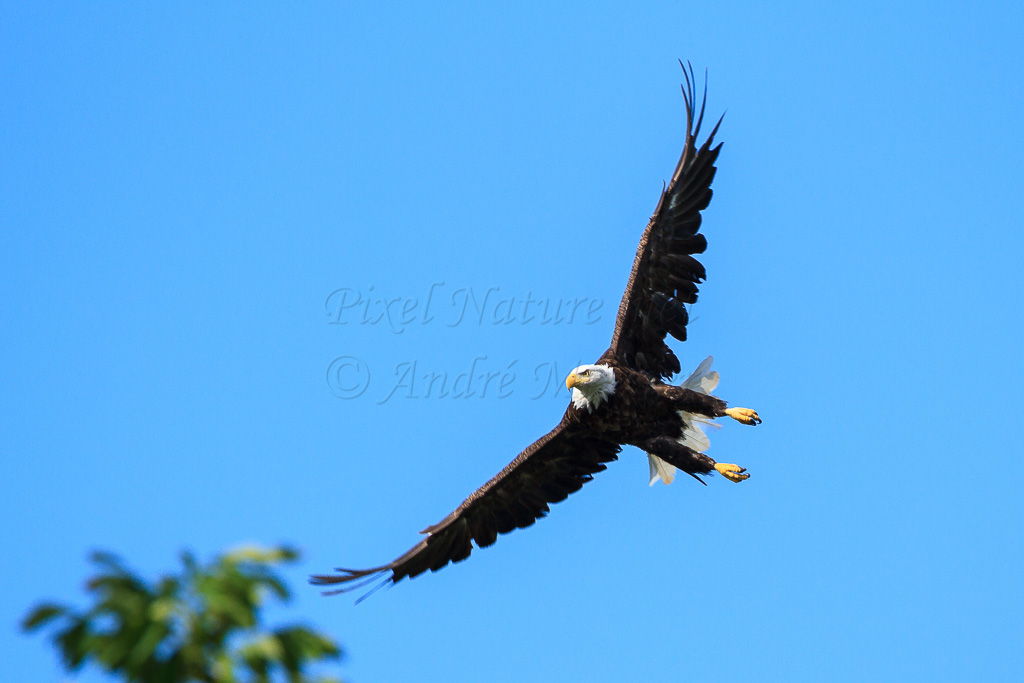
column 201, row 625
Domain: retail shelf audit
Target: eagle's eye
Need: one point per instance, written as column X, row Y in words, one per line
column 585, row 373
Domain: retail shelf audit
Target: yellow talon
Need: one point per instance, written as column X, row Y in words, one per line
column 732, row 472
column 744, row 415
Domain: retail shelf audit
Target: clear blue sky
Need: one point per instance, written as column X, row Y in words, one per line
column 182, row 191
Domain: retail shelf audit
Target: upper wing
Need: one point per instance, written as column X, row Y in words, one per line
column 665, row 274
column 556, row 465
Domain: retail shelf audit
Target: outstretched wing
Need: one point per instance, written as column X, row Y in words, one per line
column 556, row 465
column 665, row 274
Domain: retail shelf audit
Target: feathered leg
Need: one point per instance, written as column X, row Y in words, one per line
column 707, row 405
column 689, row 460
column 694, row 396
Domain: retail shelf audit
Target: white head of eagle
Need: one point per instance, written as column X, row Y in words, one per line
column 590, row 384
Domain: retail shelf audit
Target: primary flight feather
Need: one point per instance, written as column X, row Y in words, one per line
column 622, row 399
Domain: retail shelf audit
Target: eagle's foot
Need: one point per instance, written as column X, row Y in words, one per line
column 732, row 472
column 744, row 415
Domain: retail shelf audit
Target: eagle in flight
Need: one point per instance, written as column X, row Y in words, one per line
column 623, row 398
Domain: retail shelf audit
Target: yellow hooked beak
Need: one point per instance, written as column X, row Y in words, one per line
column 571, row 380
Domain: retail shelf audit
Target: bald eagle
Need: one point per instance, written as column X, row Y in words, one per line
column 623, row 398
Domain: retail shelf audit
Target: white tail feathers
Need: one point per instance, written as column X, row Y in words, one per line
column 693, row 436
column 660, row 470
column 703, row 380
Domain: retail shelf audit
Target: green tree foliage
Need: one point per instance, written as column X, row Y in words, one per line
column 201, row 625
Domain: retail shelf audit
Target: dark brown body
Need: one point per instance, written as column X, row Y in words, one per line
column 644, row 412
